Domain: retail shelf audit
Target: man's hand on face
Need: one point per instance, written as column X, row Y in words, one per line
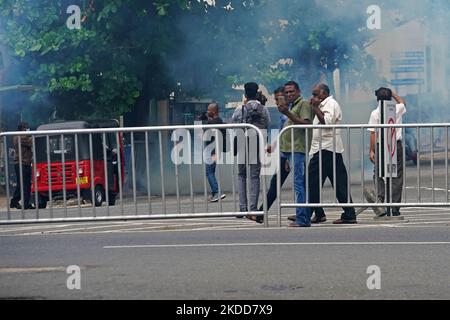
column 316, row 109
column 283, row 108
column 315, row 101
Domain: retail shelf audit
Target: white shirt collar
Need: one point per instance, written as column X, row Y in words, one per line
column 324, row 102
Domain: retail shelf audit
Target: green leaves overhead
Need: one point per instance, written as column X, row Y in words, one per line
column 128, row 51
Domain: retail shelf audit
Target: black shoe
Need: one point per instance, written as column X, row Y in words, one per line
column 319, row 219
column 386, row 213
column 15, row 206
column 256, row 218
column 345, row 221
column 395, row 213
column 30, row 207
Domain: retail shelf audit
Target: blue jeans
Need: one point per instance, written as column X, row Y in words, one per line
column 272, row 193
column 303, row 215
column 211, row 175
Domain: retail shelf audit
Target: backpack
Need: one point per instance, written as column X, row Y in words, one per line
column 254, row 115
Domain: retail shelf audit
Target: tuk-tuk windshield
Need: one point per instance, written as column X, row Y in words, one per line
column 56, row 149
column 68, row 148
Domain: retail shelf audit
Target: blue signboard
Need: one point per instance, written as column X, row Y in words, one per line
column 408, row 62
column 408, row 54
column 407, row 69
column 407, row 82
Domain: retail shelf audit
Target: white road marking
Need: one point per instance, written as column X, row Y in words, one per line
column 31, row 269
column 420, row 209
column 205, row 245
column 58, row 228
column 426, row 222
column 429, row 189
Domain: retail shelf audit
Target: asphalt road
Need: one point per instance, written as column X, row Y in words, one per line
column 229, row 258
column 324, row 262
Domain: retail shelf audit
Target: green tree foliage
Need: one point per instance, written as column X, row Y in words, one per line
column 98, row 70
column 128, row 51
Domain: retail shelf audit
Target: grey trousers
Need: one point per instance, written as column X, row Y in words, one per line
column 255, row 170
column 397, row 183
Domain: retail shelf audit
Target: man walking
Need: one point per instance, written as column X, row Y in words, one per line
column 298, row 112
column 213, row 118
column 328, row 112
column 284, row 169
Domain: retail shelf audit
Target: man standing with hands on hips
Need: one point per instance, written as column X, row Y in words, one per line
column 327, row 112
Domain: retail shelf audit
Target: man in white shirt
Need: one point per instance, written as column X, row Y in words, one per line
column 397, row 183
column 328, row 112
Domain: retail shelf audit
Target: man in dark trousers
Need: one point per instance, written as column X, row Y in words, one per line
column 327, row 112
column 26, row 144
column 397, row 182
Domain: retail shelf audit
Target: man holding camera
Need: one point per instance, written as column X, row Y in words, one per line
column 386, row 94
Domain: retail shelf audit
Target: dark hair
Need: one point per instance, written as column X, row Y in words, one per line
column 251, row 89
column 324, row 87
column 278, row 90
column 292, row 83
column 383, row 94
column 22, row 126
column 261, row 98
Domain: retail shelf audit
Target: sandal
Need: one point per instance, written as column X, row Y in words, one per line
column 256, row 218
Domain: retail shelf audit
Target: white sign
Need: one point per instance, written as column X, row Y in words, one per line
column 374, row 280
column 74, row 280
column 390, row 142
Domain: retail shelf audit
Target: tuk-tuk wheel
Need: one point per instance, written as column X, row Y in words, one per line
column 99, row 195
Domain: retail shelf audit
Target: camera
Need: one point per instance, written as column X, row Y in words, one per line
column 383, row 94
column 203, row 117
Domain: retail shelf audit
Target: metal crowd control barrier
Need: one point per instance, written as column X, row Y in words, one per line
column 425, row 195
column 62, row 147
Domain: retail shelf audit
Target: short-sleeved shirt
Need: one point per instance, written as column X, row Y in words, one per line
column 375, row 116
column 302, row 109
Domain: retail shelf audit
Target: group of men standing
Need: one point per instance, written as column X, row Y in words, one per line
column 324, row 146
column 322, row 109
